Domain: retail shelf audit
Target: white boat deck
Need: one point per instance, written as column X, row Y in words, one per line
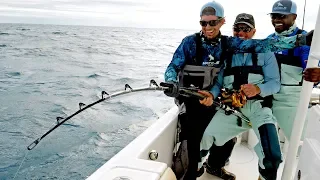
column 134, row 160
column 243, row 163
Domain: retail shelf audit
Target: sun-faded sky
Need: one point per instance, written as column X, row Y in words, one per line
column 178, row 14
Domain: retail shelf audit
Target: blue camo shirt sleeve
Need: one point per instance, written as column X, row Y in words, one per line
column 261, row 45
column 270, row 69
column 178, row 61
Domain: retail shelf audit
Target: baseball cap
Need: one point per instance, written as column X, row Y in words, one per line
column 219, row 11
column 284, row 7
column 244, row 18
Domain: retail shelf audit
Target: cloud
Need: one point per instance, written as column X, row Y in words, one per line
column 179, row 14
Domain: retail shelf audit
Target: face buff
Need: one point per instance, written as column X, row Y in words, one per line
column 287, row 32
column 212, row 42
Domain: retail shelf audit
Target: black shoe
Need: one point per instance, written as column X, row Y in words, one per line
column 221, row 173
column 200, row 172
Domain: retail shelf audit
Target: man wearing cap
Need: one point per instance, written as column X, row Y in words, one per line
column 196, row 62
column 244, row 28
column 291, row 64
column 257, row 75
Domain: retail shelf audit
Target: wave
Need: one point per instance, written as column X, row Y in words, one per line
column 95, row 75
column 59, row 33
column 66, row 49
column 72, row 125
column 11, row 74
column 53, row 159
column 23, row 29
column 5, row 169
column 3, row 33
column 14, row 133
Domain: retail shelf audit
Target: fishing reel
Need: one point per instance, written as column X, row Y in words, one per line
column 233, row 98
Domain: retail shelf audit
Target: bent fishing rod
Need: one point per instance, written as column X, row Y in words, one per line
column 153, row 86
column 104, row 96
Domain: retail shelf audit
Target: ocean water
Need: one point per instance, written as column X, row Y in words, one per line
column 46, row 70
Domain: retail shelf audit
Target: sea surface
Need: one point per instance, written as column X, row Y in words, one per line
column 46, row 70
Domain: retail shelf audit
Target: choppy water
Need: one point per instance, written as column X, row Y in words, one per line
column 47, row 70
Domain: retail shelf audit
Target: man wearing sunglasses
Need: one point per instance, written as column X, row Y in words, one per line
column 257, row 75
column 196, row 63
column 244, row 28
column 291, row 64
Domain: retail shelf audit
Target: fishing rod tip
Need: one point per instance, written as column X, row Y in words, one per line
column 32, row 145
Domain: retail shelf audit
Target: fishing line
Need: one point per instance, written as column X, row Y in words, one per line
column 24, row 158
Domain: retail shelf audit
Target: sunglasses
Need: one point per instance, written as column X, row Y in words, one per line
column 278, row 16
column 211, row 23
column 243, row 29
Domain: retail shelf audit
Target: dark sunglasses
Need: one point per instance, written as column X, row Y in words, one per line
column 278, row 16
column 243, row 29
column 211, row 23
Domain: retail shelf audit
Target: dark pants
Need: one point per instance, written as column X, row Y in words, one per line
column 193, row 125
column 220, row 154
column 271, row 150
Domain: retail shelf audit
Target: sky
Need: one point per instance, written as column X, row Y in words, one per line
column 176, row 14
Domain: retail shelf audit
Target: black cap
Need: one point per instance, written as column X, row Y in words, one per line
column 244, row 18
